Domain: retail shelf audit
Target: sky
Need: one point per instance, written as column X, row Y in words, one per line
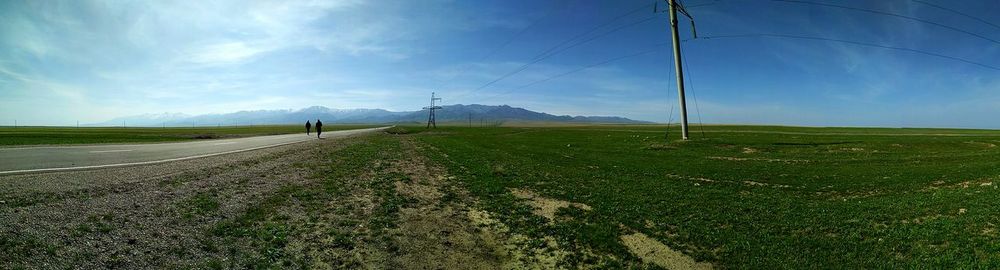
column 90, row 61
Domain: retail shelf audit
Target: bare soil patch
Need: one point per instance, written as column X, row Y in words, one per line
column 759, row 159
column 982, row 144
column 652, row 251
column 546, row 207
column 434, row 233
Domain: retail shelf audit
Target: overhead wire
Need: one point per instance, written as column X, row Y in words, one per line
column 526, row 65
column 556, row 49
column 591, row 30
column 563, row 47
column 889, row 14
column 505, row 44
column 855, row 43
column 689, row 78
column 957, row 12
column 578, row 70
column 670, row 118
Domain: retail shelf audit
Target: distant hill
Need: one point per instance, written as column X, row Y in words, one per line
column 450, row 113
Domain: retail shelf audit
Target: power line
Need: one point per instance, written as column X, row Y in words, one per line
column 702, row 4
column 504, row 45
column 585, row 33
column 556, row 49
column 855, row 43
column 670, row 118
column 958, row 12
column 578, row 70
column 525, row 66
column 889, row 14
column 539, row 59
column 701, row 124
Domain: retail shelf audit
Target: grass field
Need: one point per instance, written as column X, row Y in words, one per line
column 531, row 197
column 747, row 196
column 89, row 135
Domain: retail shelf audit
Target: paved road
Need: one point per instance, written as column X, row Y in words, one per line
column 58, row 158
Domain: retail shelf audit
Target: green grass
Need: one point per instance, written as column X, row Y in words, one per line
column 769, row 196
column 90, row 135
column 197, row 205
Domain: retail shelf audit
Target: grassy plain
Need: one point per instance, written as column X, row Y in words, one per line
column 747, row 196
column 90, row 135
column 532, row 197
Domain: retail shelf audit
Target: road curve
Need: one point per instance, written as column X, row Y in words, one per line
column 62, row 158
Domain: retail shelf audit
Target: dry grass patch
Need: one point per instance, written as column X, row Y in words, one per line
column 759, row 159
column 546, row 207
column 434, row 232
column 654, row 252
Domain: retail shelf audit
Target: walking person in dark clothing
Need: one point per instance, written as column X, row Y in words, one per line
column 319, row 128
column 308, row 127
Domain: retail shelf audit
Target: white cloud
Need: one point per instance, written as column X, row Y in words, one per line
column 228, row 52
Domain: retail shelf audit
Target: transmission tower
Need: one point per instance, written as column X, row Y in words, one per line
column 430, row 116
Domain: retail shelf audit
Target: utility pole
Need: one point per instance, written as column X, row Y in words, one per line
column 674, row 8
column 431, row 119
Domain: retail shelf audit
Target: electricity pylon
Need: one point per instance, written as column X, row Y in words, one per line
column 431, row 121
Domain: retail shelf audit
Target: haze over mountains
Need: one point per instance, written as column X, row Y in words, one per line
column 450, row 113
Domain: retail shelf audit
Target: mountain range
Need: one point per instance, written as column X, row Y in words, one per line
column 450, row 113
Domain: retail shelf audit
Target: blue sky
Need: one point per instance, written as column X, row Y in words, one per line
column 63, row 61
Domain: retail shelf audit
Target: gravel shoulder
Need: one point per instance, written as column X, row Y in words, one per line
column 367, row 201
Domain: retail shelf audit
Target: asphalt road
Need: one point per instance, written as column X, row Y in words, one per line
column 60, row 158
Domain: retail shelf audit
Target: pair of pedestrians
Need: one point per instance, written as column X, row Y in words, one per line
column 319, row 127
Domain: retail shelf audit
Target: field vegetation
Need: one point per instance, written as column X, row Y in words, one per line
column 91, row 135
column 531, row 197
column 746, row 196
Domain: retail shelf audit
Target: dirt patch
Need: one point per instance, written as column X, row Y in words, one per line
column 745, row 182
column 759, row 159
column 755, row 183
column 748, row 150
column 434, row 233
column 523, row 251
column 660, row 146
column 654, row 252
column 700, row 179
column 982, row 183
column 546, row 207
column 982, row 144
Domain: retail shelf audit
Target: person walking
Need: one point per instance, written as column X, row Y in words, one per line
column 319, row 128
column 308, row 127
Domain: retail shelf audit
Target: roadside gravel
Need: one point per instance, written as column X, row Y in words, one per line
column 151, row 216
